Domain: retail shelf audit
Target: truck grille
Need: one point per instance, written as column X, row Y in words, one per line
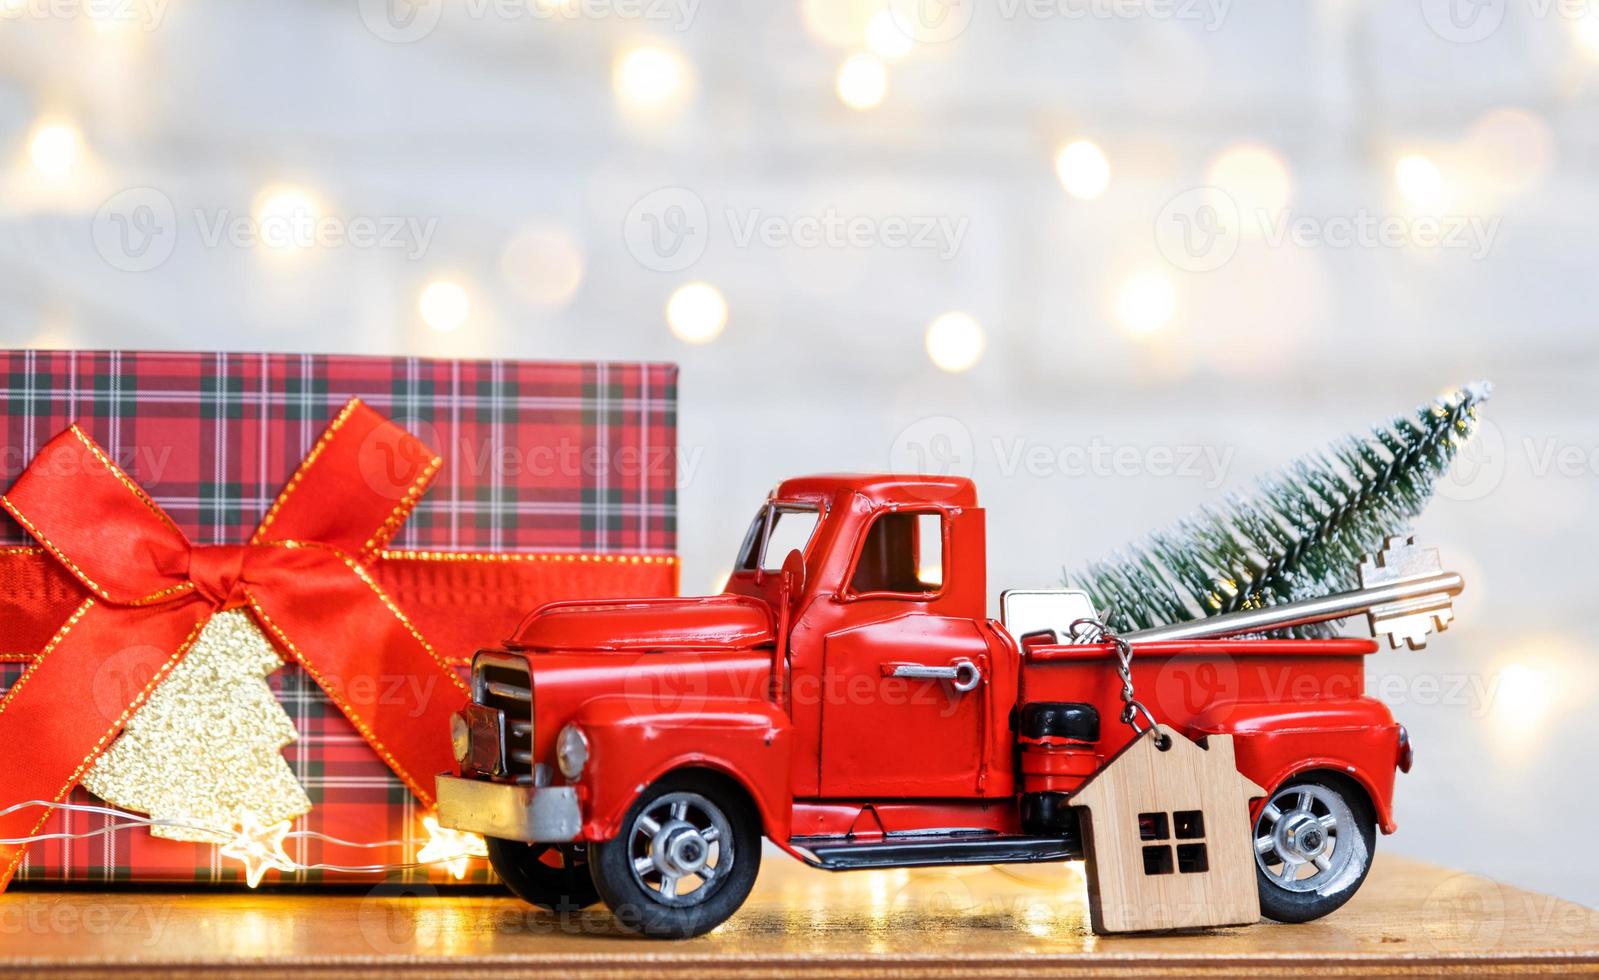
column 501, row 681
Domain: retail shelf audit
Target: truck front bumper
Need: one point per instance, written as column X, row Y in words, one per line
column 510, row 811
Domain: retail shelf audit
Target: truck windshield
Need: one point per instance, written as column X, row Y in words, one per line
column 777, row 529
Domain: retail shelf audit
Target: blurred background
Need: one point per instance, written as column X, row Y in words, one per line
column 1113, row 258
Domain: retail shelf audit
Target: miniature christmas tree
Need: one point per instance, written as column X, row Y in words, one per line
column 1300, row 534
column 205, row 751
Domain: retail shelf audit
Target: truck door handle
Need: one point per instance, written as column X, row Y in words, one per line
column 963, row 675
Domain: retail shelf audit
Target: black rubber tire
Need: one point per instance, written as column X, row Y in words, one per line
column 523, row 869
column 638, row 908
column 1280, row 904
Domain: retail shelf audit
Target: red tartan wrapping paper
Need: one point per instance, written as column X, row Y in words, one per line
column 559, row 478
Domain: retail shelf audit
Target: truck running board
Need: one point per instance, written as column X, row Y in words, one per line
column 929, row 850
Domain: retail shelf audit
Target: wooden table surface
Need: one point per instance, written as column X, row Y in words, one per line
column 1409, row 919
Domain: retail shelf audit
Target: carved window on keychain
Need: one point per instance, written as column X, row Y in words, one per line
column 1190, row 832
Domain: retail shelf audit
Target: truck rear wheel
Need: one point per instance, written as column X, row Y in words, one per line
column 551, row 876
column 1313, row 846
column 685, row 860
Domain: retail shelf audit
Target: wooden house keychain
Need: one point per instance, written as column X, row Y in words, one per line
column 1166, row 828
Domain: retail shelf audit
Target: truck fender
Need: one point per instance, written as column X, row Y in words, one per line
column 748, row 741
column 1273, row 742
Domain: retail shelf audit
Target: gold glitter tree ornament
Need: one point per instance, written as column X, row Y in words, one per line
column 206, row 749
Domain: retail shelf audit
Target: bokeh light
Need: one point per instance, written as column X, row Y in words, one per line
column 1508, row 151
column 862, row 81
column 286, row 216
column 1256, row 177
column 1146, row 302
column 444, row 305
column 1419, row 180
column 649, row 77
column 1528, row 689
column 1082, row 169
column 696, row 313
column 955, row 341
column 55, row 148
column 1525, row 692
column 544, row 265
column 1585, row 31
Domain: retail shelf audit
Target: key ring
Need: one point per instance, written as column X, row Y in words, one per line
column 1088, row 630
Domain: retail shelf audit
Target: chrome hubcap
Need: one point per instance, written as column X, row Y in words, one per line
column 680, row 846
column 1306, row 839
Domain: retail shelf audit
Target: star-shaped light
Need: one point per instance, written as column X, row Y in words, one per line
column 451, row 849
column 259, row 847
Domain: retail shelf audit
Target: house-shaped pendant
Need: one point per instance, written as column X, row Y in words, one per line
column 1166, row 836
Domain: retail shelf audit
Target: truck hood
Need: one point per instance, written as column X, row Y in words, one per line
column 638, row 625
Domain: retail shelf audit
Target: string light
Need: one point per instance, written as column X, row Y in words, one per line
column 696, row 313
column 444, row 305
column 1586, row 31
column 1255, row 176
column 1082, row 169
column 1146, row 302
column 55, row 148
column 286, row 216
column 543, row 265
column 260, row 849
column 649, row 77
column 955, row 342
column 1419, row 180
column 1507, row 152
column 450, row 849
column 862, row 82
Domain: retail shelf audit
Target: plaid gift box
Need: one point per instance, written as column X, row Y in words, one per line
column 558, row 482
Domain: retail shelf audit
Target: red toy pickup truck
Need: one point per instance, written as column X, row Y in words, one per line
column 848, row 699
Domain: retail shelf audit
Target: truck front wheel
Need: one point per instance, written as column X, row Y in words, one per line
column 551, row 876
column 686, row 858
column 1313, row 846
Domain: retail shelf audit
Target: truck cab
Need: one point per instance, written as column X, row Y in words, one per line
column 886, row 589
column 848, row 699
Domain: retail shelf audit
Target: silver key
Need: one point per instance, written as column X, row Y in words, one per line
column 1406, row 620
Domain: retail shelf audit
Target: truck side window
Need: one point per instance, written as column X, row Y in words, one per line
column 903, row 552
column 791, row 529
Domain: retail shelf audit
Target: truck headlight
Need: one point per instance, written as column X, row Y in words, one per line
column 460, row 737
column 572, row 752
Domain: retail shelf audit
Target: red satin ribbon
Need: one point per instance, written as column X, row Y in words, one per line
column 302, row 575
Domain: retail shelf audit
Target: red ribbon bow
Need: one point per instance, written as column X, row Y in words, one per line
column 152, row 591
